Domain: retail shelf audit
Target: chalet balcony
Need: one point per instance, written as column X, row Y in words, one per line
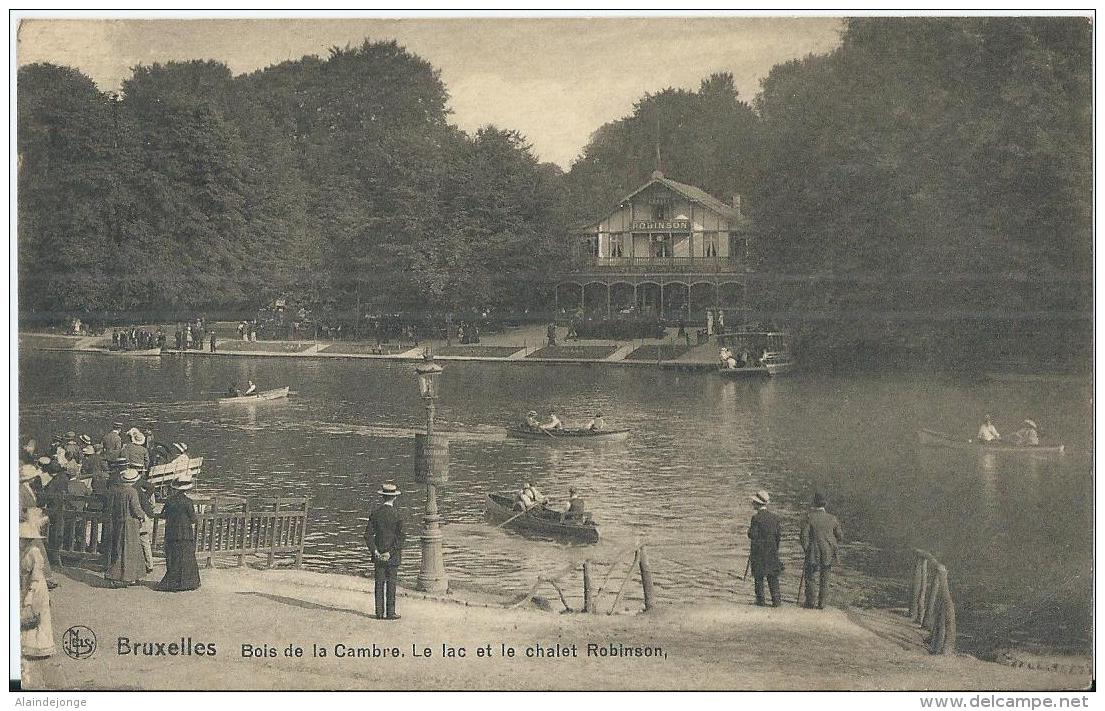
column 659, row 265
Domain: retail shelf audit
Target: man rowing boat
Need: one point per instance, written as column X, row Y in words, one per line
column 987, row 432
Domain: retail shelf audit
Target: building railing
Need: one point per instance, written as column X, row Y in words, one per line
column 930, row 605
column 79, row 532
column 704, row 265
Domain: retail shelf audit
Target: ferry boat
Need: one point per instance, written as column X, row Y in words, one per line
column 769, row 351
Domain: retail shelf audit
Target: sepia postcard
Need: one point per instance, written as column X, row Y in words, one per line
column 594, row 353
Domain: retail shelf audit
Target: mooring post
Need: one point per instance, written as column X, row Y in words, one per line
column 948, row 641
column 930, row 606
column 588, row 588
column 921, row 596
column 918, row 577
column 646, row 577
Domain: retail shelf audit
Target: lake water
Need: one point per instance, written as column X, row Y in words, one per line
column 1015, row 532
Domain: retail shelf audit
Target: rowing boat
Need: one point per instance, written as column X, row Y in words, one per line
column 545, row 523
column 932, row 438
column 256, row 397
column 569, row 435
column 756, row 371
column 145, row 352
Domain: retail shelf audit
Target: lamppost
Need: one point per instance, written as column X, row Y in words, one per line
column 431, row 465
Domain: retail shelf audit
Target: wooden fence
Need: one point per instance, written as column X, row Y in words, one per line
column 931, row 604
column 639, row 564
column 226, row 526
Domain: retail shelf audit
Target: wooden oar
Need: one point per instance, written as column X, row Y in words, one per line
column 523, row 513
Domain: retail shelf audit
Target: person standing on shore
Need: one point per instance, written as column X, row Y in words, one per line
column 213, row 340
column 385, row 537
column 551, row 333
column 820, row 537
column 765, row 532
column 125, row 562
column 181, row 569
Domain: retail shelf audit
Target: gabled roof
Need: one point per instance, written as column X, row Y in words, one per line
column 690, row 192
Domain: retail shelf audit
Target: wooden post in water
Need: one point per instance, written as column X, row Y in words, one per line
column 948, row 607
column 588, row 588
column 918, row 581
column 930, row 606
column 646, row 577
column 921, row 596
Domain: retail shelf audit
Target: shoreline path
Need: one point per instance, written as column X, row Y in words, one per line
column 723, row 646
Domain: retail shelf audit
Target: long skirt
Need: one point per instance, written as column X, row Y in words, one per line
column 126, row 563
column 181, row 570
column 38, row 639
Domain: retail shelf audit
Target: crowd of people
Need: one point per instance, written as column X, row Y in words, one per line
column 110, row 476
column 136, row 339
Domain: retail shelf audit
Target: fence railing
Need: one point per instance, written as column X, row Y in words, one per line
column 931, row 604
column 699, row 265
column 79, row 531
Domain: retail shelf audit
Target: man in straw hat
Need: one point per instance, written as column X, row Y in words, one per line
column 820, row 537
column 135, row 450
column 765, row 534
column 385, row 537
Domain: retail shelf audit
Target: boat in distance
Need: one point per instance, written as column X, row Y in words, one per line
column 542, row 522
column 933, row 438
column 256, row 397
column 145, row 352
column 579, row 434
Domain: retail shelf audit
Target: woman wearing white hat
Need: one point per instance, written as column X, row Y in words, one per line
column 124, row 512
column 181, row 570
column 36, row 626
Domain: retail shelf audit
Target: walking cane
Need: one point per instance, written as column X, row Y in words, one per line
column 747, row 564
column 801, row 584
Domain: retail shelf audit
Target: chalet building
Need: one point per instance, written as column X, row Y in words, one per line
column 668, row 250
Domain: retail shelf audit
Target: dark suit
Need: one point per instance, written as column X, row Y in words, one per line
column 385, row 534
column 820, row 536
column 765, row 533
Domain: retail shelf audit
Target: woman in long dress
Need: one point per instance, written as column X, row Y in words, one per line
column 181, row 570
column 34, row 610
column 125, row 565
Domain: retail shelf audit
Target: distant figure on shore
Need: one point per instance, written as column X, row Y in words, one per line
column 213, row 349
column 1027, row 435
column 385, row 537
column 181, row 570
column 125, row 562
column 987, row 432
column 765, row 534
column 553, row 424
column 820, row 537
column 35, row 623
column 550, row 332
column 597, row 423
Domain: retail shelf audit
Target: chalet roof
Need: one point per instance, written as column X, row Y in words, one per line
column 690, row 192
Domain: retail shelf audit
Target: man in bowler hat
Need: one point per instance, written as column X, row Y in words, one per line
column 765, row 534
column 385, row 536
column 820, row 537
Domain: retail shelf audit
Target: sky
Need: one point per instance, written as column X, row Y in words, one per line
column 556, row 80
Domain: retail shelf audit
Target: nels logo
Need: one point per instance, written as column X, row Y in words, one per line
column 78, row 642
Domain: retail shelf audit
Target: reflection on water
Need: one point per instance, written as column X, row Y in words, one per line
column 1011, row 529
